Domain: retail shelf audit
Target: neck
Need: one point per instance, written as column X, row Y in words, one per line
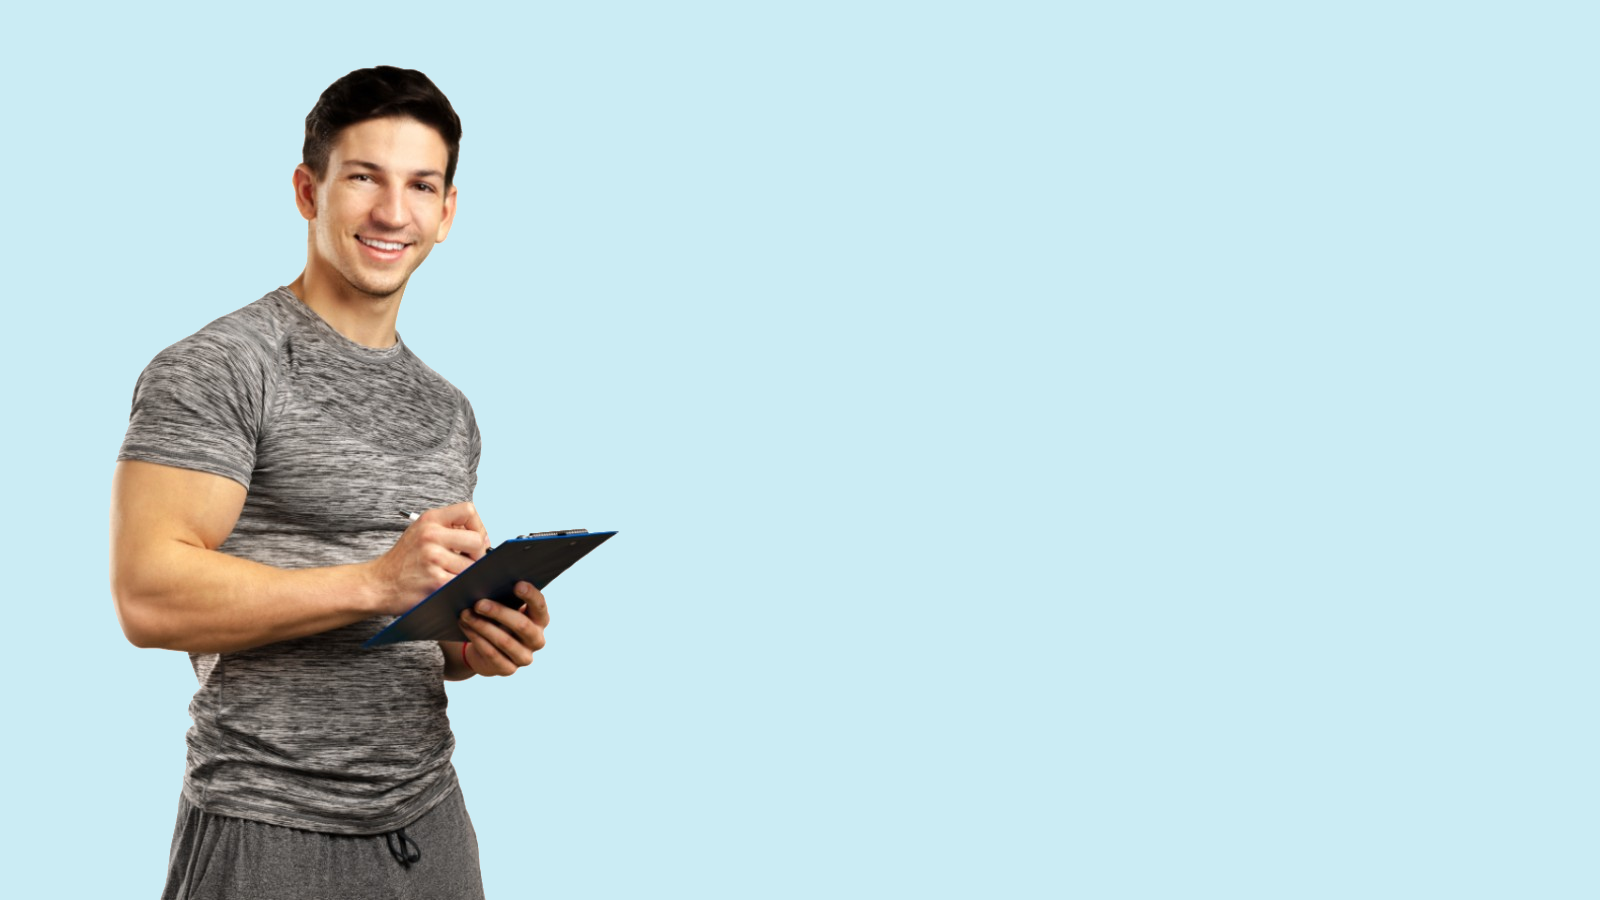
column 367, row 319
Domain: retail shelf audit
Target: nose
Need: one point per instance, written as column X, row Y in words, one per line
column 390, row 208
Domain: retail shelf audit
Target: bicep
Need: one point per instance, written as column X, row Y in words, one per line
column 152, row 502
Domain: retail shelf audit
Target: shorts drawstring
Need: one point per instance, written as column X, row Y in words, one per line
column 407, row 852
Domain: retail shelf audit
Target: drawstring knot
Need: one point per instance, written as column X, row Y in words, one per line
column 407, row 851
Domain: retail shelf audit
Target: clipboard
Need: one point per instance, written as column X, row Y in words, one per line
column 535, row 558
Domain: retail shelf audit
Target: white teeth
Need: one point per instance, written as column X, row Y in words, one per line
column 381, row 245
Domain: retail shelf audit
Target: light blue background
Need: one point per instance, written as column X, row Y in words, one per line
column 1059, row 451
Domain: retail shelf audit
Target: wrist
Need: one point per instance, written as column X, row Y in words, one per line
column 456, row 667
column 370, row 590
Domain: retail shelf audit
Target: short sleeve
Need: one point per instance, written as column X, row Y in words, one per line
column 200, row 405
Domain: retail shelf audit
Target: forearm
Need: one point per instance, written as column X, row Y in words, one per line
column 178, row 596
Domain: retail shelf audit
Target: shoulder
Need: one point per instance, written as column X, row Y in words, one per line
column 246, row 339
column 203, row 402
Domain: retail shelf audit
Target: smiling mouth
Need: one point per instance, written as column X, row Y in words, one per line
column 382, row 245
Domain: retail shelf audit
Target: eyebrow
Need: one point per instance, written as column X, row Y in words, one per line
column 417, row 173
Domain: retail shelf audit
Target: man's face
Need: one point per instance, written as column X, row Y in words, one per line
column 381, row 205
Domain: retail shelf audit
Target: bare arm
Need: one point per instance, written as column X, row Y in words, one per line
column 173, row 590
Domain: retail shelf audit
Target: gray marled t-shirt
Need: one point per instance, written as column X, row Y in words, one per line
column 332, row 440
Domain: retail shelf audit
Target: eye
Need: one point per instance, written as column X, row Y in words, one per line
column 360, row 177
column 424, row 186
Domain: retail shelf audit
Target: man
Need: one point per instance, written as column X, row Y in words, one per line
column 257, row 524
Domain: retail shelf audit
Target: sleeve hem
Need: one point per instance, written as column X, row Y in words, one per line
column 137, row 454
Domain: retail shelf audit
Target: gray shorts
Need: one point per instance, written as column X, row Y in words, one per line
column 216, row 857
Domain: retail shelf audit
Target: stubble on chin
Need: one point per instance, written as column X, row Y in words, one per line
column 378, row 290
column 374, row 285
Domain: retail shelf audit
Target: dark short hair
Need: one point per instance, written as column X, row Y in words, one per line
column 378, row 93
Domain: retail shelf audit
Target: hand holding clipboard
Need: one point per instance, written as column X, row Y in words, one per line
column 535, row 558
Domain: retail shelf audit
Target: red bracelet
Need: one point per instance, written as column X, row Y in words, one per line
column 464, row 658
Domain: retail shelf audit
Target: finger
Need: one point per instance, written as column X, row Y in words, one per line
column 466, row 543
column 521, row 627
column 462, row 516
column 487, row 659
column 483, row 659
column 492, row 646
column 436, row 577
column 449, row 561
column 511, row 645
column 538, row 609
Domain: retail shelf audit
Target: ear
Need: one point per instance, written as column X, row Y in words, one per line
column 305, row 191
column 449, row 215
